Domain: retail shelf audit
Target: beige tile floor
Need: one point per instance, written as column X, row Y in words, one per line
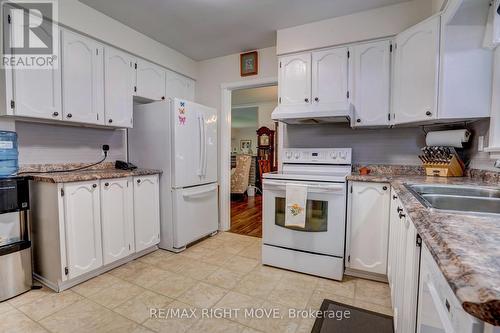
column 222, row 272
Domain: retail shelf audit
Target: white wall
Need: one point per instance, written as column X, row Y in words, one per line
column 213, row 72
column 85, row 19
column 380, row 22
column 244, row 133
column 264, row 115
column 43, row 143
column 377, row 146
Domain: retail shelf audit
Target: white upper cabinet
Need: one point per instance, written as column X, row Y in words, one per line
column 119, row 76
column 369, row 227
column 82, row 79
column 330, row 78
column 150, row 81
column 146, row 212
column 416, row 72
column 83, row 227
column 36, row 93
column 295, row 79
column 370, row 75
column 179, row 86
column 117, row 219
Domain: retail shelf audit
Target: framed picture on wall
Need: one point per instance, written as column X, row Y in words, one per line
column 249, row 63
column 245, row 145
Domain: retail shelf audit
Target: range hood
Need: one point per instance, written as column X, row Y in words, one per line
column 312, row 114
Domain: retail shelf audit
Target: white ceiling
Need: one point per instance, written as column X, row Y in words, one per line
column 204, row 29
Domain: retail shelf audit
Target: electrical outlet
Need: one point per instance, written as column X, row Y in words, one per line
column 480, row 143
column 105, row 150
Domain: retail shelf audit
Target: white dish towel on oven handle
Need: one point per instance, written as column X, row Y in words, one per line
column 296, row 198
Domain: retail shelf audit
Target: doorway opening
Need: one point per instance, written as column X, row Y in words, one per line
column 254, row 151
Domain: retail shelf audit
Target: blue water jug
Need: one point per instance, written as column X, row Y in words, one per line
column 9, row 164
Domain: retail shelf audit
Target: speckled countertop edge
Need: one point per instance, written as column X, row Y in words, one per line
column 465, row 247
column 87, row 175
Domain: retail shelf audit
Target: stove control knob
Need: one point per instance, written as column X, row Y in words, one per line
column 333, row 155
column 297, row 156
column 288, row 154
column 343, row 155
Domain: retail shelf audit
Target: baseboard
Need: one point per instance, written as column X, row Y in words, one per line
column 64, row 285
column 366, row 275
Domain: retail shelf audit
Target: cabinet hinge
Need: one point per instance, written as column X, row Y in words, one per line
column 280, row 64
column 129, row 247
column 280, row 100
column 12, row 104
column 135, row 88
column 348, row 54
column 348, row 258
column 97, row 51
column 348, row 94
column 350, row 190
column 419, row 241
column 9, row 19
column 135, row 66
column 62, row 192
column 97, row 117
column 390, row 48
column 389, row 116
column 66, row 271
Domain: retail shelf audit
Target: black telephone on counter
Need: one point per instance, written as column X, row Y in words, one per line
column 124, row 165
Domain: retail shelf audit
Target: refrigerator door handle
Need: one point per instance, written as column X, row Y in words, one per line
column 199, row 193
column 204, row 146
column 201, row 139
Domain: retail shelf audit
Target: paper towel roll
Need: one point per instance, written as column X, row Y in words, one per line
column 454, row 138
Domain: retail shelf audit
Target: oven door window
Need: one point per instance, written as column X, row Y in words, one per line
column 316, row 215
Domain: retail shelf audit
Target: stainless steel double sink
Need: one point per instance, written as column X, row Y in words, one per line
column 458, row 198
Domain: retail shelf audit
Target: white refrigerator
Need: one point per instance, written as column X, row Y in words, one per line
column 179, row 137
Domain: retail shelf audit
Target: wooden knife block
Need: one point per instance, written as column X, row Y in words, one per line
column 455, row 168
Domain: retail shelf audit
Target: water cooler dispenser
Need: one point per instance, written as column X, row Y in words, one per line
column 15, row 243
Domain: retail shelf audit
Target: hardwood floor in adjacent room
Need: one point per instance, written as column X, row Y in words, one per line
column 246, row 216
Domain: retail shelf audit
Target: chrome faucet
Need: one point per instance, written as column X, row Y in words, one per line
column 497, row 164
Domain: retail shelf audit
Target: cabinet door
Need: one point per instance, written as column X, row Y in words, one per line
column 330, row 78
column 82, row 78
column 369, row 229
column 416, row 73
column 399, row 270
column 410, row 284
column 83, row 227
column 370, row 83
column 179, row 86
column 150, row 81
column 117, row 219
column 393, row 240
column 119, row 78
column 37, row 93
column 295, row 79
column 146, row 212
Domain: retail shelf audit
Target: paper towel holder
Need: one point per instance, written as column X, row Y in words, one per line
column 464, row 124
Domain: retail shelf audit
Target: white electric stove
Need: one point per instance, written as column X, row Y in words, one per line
column 317, row 249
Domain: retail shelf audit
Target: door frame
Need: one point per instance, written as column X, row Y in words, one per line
column 225, row 143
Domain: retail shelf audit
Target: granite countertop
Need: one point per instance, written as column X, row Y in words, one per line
column 466, row 247
column 104, row 172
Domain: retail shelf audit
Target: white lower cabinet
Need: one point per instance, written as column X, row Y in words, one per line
column 404, row 259
column 117, row 219
column 83, row 229
column 146, row 212
column 368, row 227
